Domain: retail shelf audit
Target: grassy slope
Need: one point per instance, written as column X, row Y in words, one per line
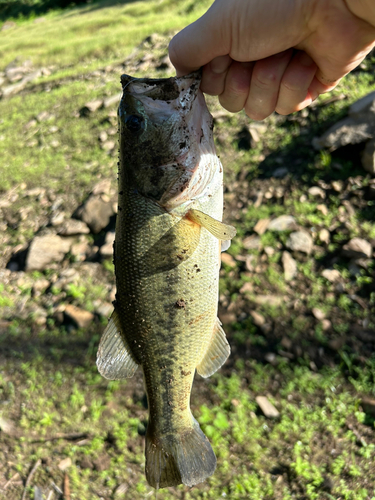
column 49, row 383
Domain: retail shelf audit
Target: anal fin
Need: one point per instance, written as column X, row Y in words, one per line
column 218, row 229
column 114, row 359
column 216, row 354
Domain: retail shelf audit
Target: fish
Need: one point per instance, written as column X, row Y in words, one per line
column 169, row 235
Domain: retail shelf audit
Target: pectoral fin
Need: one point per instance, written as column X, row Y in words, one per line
column 114, row 359
column 218, row 229
column 216, row 354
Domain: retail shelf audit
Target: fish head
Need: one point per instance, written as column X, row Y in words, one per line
column 165, row 130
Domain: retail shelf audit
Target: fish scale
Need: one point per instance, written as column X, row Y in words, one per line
column 167, row 260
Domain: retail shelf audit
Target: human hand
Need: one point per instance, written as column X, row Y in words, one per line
column 274, row 55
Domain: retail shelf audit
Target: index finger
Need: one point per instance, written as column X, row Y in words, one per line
column 197, row 44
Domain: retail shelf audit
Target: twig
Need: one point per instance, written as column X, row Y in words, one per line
column 66, row 487
column 9, row 481
column 50, row 493
column 28, row 480
column 73, row 436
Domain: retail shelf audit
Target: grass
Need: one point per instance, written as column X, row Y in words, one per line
column 322, row 444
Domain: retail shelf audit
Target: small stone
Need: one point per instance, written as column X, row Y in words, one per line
column 252, row 242
column 324, row 236
column 103, row 136
column 228, row 259
column 258, row 319
column 317, row 191
column 300, row 241
column 282, row 223
column 247, row 288
column 79, row 316
column 337, row 186
column 104, row 309
column 65, row 463
column 113, row 99
column 332, row 275
column 318, row 313
column 45, row 250
column 286, row 343
column 102, row 187
column 57, row 218
column 326, row 324
column 107, row 249
column 91, row 107
column 357, row 248
column 368, row 157
column 40, row 285
column 270, row 300
column 289, row 265
column 269, row 251
column 280, row 172
column 7, row 427
column 73, row 227
column 261, row 226
column 270, row 357
column 267, row 407
column 109, row 145
column 95, row 213
column 322, row 208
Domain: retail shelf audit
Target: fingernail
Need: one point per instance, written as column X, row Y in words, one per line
column 220, row 64
column 305, row 60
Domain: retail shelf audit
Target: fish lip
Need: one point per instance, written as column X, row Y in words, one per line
column 164, row 89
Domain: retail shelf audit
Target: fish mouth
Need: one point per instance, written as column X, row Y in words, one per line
column 177, row 101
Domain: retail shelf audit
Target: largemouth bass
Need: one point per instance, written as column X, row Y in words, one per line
column 167, row 258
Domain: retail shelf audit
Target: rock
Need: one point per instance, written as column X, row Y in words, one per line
column 357, row 248
column 65, row 463
column 103, row 309
column 368, row 405
column 326, row 324
column 323, row 209
column 96, row 213
column 107, row 249
column 109, row 145
column 80, row 250
column 269, row 251
column 103, row 136
column 7, row 427
column 8, row 25
column 337, row 186
column 318, row 313
column 332, row 275
column 40, row 286
column 289, row 265
column 324, row 236
column 91, row 107
column 280, row 172
column 57, row 218
column 228, row 259
column 282, row 223
column 368, row 157
column 109, row 101
column 247, row 288
column 269, row 300
column 45, row 250
column 261, row 226
column 363, row 105
column 73, row 227
column 102, row 187
column 267, row 407
column 300, row 241
column 79, row 316
column 258, row 319
column 252, row 242
column 317, row 191
column 347, row 131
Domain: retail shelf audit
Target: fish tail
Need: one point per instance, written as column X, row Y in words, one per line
column 172, row 459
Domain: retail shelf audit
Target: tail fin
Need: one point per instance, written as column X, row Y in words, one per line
column 185, row 458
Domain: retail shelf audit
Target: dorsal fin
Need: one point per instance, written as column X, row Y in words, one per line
column 216, row 354
column 218, row 229
column 114, row 359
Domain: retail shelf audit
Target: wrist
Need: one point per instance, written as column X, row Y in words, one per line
column 364, row 9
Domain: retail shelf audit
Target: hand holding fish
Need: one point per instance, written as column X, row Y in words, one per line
column 274, row 55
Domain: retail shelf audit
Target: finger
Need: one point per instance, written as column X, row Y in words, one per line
column 213, row 76
column 317, row 88
column 237, row 85
column 294, row 88
column 200, row 42
column 265, row 84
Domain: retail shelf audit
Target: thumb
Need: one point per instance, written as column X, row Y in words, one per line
column 199, row 43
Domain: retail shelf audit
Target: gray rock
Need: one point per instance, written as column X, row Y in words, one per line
column 357, row 248
column 368, row 157
column 282, row 223
column 280, row 172
column 72, row 227
column 95, row 213
column 363, row 105
column 289, row 265
column 45, row 250
column 91, row 107
column 252, row 242
column 270, row 300
column 300, row 241
column 347, row 131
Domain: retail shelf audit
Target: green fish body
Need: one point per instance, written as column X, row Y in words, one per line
column 167, row 260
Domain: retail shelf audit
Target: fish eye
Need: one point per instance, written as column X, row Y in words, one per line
column 134, row 123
